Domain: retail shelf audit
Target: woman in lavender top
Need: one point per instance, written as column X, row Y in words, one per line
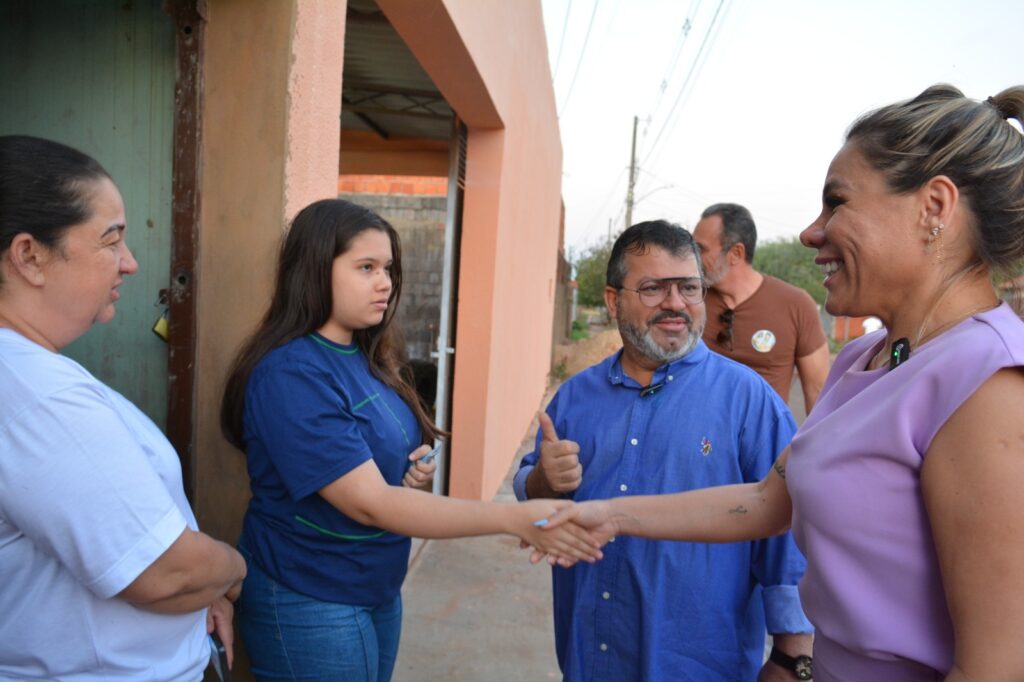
column 902, row 487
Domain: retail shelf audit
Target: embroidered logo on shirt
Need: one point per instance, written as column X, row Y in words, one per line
column 705, row 446
column 763, row 340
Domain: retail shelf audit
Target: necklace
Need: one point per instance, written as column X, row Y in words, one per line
column 921, row 337
column 882, row 356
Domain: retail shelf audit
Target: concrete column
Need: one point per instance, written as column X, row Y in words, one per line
column 270, row 132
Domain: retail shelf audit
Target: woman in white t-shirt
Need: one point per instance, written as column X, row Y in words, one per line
column 105, row 575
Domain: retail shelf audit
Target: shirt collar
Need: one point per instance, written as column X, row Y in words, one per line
column 617, row 376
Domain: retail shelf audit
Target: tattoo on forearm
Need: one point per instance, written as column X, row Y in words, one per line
column 780, row 469
column 738, row 510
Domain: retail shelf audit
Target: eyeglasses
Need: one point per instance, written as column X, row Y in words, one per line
column 724, row 337
column 691, row 289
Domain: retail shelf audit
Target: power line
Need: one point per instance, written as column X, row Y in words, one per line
column 761, row 216
column 608, row 197
column 583, row 52
column 677, row 52
column 561, row 41
column 693, row 68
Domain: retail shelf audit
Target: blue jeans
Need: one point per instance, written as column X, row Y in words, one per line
column 290, row 636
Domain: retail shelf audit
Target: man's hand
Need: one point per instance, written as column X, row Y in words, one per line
column 594, row 516
column 558, row 464
column 565, row 545
column 775, row 673
column 791, row 645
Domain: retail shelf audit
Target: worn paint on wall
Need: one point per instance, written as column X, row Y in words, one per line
column 260, row 165
column 108, row 91
column 314, row 103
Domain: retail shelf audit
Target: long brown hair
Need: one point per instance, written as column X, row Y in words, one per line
column 303, row 301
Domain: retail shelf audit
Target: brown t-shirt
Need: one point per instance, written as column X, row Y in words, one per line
column 770, row 330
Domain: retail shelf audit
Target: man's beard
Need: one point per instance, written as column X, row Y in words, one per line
column 645, row 345
column 717, row 271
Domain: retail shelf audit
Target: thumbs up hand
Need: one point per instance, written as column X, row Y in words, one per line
column 559, row 460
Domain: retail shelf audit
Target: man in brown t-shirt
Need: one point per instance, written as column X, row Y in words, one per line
column 763, row 322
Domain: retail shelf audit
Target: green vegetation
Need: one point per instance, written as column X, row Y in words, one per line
column 579, row 331
column 787, row 259
column 560, row 372
column 792, row 262
column 591, row 265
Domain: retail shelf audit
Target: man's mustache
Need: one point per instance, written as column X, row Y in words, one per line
column 669, row 314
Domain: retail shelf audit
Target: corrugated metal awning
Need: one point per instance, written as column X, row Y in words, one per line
column 384, row 89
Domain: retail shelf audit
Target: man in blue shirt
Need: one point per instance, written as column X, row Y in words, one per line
column 664, row 415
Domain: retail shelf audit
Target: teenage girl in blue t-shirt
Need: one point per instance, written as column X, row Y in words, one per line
column 333, row 437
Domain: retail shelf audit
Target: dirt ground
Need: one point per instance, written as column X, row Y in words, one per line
column 572, row 358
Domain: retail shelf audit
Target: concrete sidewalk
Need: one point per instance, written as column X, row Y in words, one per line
column 476, row 609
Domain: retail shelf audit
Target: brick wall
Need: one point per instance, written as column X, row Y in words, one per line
column 392, row 184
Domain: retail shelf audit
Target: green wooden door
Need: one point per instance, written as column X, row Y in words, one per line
column 99, row 76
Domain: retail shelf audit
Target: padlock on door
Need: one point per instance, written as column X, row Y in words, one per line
column 162, row 326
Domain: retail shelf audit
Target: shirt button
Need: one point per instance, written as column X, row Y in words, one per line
column 611, row 539
column 633, row 441
column 623, row 487
column 604, row 647
column 670, row 377
column 606, row 595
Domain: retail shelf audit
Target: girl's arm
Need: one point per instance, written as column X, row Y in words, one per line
column 363, row 494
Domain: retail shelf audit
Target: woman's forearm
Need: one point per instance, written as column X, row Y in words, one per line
column 731, row 513
column 189, row 576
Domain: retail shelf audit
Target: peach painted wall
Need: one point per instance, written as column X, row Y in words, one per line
column 314, row 103
column 272, row 89
column 489, row 60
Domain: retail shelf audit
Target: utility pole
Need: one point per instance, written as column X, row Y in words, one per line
column 632, row 177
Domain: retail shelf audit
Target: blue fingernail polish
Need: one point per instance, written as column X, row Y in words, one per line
column 540, row 522
column 432, row 454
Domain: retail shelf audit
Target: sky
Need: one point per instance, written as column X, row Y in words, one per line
column 750, row 103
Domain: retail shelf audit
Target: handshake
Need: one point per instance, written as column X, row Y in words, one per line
column 563, row 531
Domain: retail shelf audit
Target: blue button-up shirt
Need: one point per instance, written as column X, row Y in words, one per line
column 660, row 610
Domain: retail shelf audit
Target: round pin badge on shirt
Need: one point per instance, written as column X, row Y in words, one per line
column 763, row 340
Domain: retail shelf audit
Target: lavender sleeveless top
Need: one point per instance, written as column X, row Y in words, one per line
column 872, row 586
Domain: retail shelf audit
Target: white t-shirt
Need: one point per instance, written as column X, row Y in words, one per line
column 90, row 495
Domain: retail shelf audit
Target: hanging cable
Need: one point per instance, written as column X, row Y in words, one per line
column 561, row 41
column 673, row 62
column 583, row 52
column 683, row 89
column 608, row 197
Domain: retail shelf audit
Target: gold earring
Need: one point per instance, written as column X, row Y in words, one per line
column 935, row 234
